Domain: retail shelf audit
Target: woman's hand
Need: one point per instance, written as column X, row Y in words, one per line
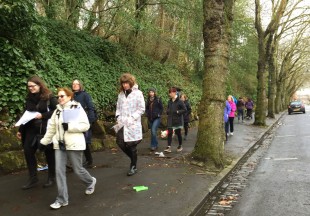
column 19, row 135
column 38, row 116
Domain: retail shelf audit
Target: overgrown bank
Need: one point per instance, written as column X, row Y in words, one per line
column 66, row 54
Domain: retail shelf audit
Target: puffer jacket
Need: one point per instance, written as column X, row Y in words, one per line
column 128, row 111
column 73, row 137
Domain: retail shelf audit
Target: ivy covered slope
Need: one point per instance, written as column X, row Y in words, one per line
column 66, row 54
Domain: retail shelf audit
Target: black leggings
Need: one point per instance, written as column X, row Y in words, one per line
column 186, row 126
column 177, row 132
column 129, row 148
column 231, row 124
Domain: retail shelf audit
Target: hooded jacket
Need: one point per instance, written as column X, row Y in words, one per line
column 73, row 138
column 128, row 111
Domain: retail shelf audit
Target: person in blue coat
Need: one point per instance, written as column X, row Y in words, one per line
column 227, row 111
column 81, row 96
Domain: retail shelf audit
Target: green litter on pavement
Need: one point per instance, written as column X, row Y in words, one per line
column 140, row 188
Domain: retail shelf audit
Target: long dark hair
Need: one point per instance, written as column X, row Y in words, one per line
column 44, row 91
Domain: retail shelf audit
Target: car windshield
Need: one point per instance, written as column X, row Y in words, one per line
column 296, row 103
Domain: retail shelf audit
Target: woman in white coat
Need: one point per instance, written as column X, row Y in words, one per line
column 65, row 131
column 130, row 106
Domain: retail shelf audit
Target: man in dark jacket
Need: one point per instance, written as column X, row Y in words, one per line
column 81, row 96
column 175, row 110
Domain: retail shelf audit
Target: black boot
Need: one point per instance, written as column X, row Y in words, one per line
column 32, row 182
column 50, row 182
column 133, row 170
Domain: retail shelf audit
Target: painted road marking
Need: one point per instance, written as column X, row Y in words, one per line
column 281, row 159
column 287, row 136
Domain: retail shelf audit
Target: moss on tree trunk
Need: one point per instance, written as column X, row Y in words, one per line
column 216, row 32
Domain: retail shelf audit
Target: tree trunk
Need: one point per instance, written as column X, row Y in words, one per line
column 73, row 12
column 272, row 80
column 140, row 6
column 161, row 25
column 260, row 111
column 216, row 33
column 277, row 14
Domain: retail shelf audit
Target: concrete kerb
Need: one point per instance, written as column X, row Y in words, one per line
column 229, row 169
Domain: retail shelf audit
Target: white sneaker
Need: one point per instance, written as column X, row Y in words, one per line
column 91, row 188
column 57, row 204
column 179, row 149
column 168, row 149
column 231, row 133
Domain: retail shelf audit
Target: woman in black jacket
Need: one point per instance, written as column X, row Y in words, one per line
column 175, row 111
column 81, row 96
column 153, row 110
column 39, row 99
column 186, row 115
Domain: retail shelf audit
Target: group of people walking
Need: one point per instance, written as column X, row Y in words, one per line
column 62, row 126
column 62, row 139
column 231, row 107
column 178, row 116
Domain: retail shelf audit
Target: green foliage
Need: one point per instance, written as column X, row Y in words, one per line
column 19, row 25
column 14, row 69
column 243, row 63
column 68, row 54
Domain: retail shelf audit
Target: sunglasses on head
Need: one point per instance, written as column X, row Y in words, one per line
column 61, row 96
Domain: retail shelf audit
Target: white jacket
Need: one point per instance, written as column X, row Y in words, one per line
column 129, row 110
column 73, row 138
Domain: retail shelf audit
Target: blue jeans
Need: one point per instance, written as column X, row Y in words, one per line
column 154, row 126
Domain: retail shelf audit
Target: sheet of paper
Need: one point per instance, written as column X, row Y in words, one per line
column 71, row 115
column 27, row 116
column 117, row 127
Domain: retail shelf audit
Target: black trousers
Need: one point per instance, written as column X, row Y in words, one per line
column 177, row 132
column 31, row 159
column 186, row 126
column 87, row 151
column 129, row 148
column 231, row 124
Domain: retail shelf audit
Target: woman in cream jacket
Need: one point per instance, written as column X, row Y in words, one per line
column 65, row 130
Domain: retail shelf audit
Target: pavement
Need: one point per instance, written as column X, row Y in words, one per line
column 174, row 186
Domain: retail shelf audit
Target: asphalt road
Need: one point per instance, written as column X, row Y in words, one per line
column 281, row 183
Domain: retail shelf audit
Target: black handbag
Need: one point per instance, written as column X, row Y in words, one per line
column 36, row 140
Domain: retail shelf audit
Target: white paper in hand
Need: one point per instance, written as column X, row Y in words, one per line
column 117, row 127
column 27, row 116
column 71, row 115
